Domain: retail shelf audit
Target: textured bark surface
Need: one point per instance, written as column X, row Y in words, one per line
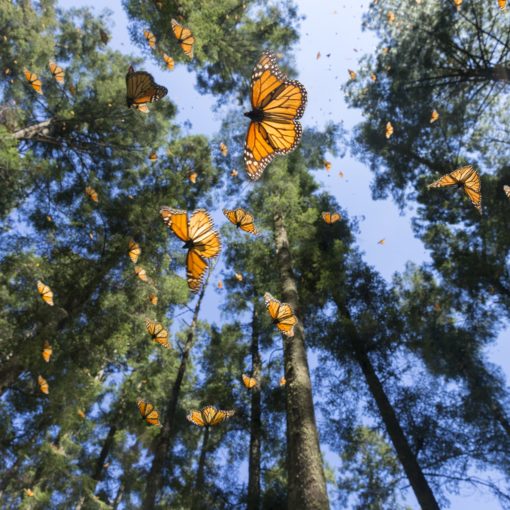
column 162, row 443
column 105, row 450
column 255, row 420
column 197, row 502
column 306, row 481
column 405, row 454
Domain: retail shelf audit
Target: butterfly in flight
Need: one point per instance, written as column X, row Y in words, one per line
column 141, row 273
column 43, row 385
column 153, row 299
column 502, row 4
column 157, row 332
column 169, row 61
column 33, row 79
column 330, row 217
column 45, row 292
column 184, row 38
column 352, row 74
column 200, row 239
column 506, row 189
column 223, row 149
column 92, row 194
column 249, row 382
column 209, row 416
column 148, row 412
column 389, row 130
column 57, row 72
column 466, row 178
column 276, row 104
column 142, row 89
column 241, row 219
column 151, row 38
column 434, row 116
column 283, row 381
column 134, row 251
column 47, row 351
column 282, row 314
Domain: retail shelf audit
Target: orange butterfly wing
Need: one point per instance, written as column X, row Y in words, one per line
column 47, row 351
column 33, row 79
column 184, row 37
column 45, row 292
column 249, row 382
column 134, row 251
column 282, row 315
column 57, row 72
column 43, row 385
column 242, row 219
column 148, row 412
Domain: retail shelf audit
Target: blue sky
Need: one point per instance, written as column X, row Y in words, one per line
column 330, row 27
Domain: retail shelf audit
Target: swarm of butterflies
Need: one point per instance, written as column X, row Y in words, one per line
column 276, row 105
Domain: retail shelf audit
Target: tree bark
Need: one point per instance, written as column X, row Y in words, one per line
column 9, row 372
column 255, row 425
column 407, row 458
column 105, row 450
column 306, row 481
column 35, row 130
column 197, row 501
column 162, row 443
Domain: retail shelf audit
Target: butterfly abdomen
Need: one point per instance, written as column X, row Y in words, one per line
column 256, row 115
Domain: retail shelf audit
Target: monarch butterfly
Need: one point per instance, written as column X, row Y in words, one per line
column 29, row 492
column 241, row 219
column 468, row 179
column 193, row 177
column 134, row 251
column 92, row 194
column 373, row 77
column 43, row 385
column 391, row 16
column 151, row 38
column 220, row 284
column 239, row 277
column 208, row 416
column 234, row 173
column 157, row 332
column 223, row 149
column 57, row 72
column 200, row 238
column 33, row 80
column 282, row 314
column 47, row 351
column 153, row 299
column 381, row 241
column 352, row 74
column 80, row 413
column 141, row 273
column 502, row 4
column 457, row 4
column 142, row 89
column 249, row 382
column 434, row 116
column 153, row 156
column 148, row 412
column 45, row 292
column 276, row 104
column 72, row 89
column 184, row 38
column 169, row 61
column 330, row 218
column 327, row 166
column 283, row 381
column 389, row 130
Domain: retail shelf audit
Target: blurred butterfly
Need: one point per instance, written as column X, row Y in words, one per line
column 330, row 218
column 502, row 4
column 373, row 77
column 134, row 251
column 381, row 241
column 153, row 299
column 220, row 284
column 193, row 177
column 239, row 277
column 223, row 149
column 29, row 492
column 249, row 382
column 276, row 104
column 283, row 381
column 391, row 16
column 318, row 56
column 468, row 179
column 151, row 38
column 457, row 4
column 184, row 38
column 148, row 412
column 142, row 89
column 389, row 130
column 72, row 89
column 92, row 194
column 33, row 80
column 209, row 416
column 57, row 72
column 352, row 74
column 158, row 332
column 234, row 173
column 80, row 413
column 43, row 385
column 169, row 61
column 282, row 314
column 45, row 292
column 327, row 166
column 434, row 116
column 241, row 219
column 153, row 156
column 47, row 351
column 141, row 273
column 200, row 238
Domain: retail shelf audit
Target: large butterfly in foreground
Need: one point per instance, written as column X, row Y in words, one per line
column 142, row 89
column 241, row 219
column 208, row 416
column 282, row 315
column 200, row 239
column 468, row 179
column 148, row 412
column 184, row 38
column 276, row 104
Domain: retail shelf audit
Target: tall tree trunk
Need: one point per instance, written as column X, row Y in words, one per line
column 306, row 481
column 162, row 442
column 10, row 372
column 405, row 454
column 255, row 425
column 118, row 496
column 198, row 501
column 105, row 450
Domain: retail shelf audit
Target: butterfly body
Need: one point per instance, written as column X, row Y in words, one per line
column 241, row 219
column 282, row 315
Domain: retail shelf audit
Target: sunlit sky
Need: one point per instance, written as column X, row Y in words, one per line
column 330, row 27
